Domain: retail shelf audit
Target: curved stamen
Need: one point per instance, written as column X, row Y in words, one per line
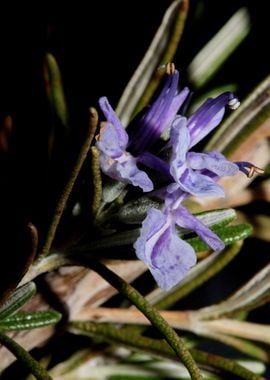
column 249, row 169
column 253, row 170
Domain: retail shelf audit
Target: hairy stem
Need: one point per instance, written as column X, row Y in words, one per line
column 133, row 341
column 21, row 354
column 152, row 314
column 69, row 186
column 97, row 182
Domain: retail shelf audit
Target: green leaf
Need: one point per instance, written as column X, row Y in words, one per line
column 254, row 293
column 214, row 219
column 17, row 300
column 161, row 50
column 134, row 341
column 228, row 235
column 217, row 218
column 54, row 89
column 111, row 190
column 146, row 367
column 135, row 211
column 207, row 62
column 24, row 357
column 248, row 121
column 242, row 345
column 30, row 320
column 75, row 171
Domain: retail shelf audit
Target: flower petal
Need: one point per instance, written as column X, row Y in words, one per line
column 112, row 118
column 186, row 220
column 174, row 258
column 153, row 226
column 109, row 141
column 159, row 115
column 199, row 184
column 177, row 102
column 168, row 257
column 116, row 162
column 125, row 169
column 215, row 162
column 155, row 163
column 207, row 117
column 180, row 140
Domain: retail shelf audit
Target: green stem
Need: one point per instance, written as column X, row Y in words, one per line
column 242, row 345
column 21, row 354
column 97, row 182
column 153, row 316
column 69, row 186
column 54, row 88
column 133, row 341
column 225, row 364
column 46, row 264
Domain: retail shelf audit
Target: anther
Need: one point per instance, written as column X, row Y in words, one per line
column 253, row 170
column 233, row 103
column 170, row 68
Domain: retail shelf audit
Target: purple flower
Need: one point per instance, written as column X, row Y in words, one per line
column 115, row 161
column 120, row 154
column 168, row 257
column 197, row 173
column 187, row 173
column 160, row 114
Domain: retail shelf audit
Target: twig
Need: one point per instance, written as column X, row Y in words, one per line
column 178, row 319
column 152, row 314
column 21, row 354
column 47, row 264
column 97, row 182
column 184, row 320
column 243, row 329
column 69, row 186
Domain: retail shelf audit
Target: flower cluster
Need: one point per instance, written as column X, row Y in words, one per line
column 126, row 158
